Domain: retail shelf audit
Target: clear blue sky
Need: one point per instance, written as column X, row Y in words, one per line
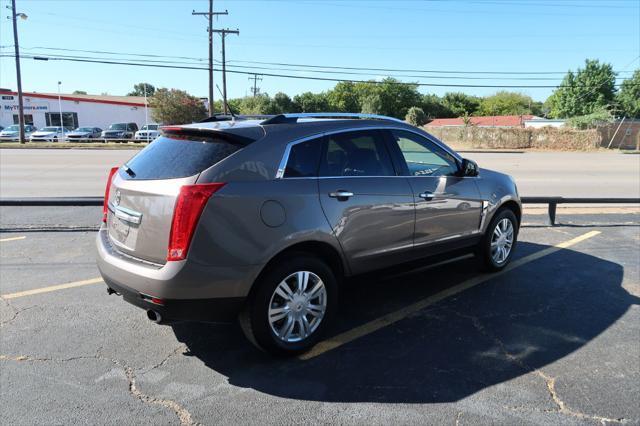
column 463, row 35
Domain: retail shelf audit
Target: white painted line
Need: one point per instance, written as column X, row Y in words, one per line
column 5, row 240
column 51, row 288
column 376, row 324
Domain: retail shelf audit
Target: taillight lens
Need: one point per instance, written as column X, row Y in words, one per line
column 189, row 206
column 105, row 203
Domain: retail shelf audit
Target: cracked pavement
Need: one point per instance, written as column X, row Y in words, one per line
column 556, row 341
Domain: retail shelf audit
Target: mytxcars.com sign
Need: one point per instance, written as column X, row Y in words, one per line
column 29, row 108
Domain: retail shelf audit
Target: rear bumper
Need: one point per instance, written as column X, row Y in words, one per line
column 191, row 291
column 205, row 310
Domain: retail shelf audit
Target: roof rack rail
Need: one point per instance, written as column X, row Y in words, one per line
column 229, row 117
column 293, row 118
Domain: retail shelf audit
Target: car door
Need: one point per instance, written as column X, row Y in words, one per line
column 369, row 207
column 448, row 206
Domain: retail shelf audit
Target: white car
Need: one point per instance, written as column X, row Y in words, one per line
column 148, row 132
column 49, row 134
column 12, row 133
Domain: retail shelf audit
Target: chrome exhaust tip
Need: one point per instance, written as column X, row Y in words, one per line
column 154, row 316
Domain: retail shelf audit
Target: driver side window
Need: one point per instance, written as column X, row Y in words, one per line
column 423, row 157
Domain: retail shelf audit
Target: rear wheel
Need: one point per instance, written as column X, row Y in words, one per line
column 497, row 245
column 291, row 306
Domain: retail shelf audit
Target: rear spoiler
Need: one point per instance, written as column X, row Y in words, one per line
column 180, row 132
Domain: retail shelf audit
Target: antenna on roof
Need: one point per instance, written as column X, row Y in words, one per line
column 226, row 103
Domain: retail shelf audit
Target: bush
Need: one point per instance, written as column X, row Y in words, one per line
column 591, row 121
column 416, row 117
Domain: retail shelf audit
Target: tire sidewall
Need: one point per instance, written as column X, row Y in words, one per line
column 258, row 307
column 487, row 259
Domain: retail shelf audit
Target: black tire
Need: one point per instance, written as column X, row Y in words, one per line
column 254, row 319
column 486, row 260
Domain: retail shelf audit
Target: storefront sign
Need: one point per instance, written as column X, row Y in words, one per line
column 27, row 108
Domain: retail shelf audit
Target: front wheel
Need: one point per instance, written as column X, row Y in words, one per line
column 497, row 245
column 291, row 306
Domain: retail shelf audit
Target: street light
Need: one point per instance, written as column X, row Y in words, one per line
column 14, row 16
column 60, row 109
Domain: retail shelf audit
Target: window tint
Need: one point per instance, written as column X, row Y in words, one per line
column 423, row 157
column 361, row 153
column 170, row 158
column 303, row 159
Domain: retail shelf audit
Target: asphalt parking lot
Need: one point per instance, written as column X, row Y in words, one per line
column 555, row 340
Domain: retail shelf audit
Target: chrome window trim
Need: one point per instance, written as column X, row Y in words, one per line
column 339, row 115
column 285, row 158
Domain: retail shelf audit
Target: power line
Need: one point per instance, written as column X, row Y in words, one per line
column 321, row 71
column 137, row 64
column 321, row 67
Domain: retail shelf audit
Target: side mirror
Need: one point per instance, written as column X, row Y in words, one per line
column 469, row 168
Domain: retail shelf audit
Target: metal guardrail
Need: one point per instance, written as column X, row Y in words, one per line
column 52, row 201
column 552, row 202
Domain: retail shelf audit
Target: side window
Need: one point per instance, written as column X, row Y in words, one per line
column 423, row 157
column 361, row 153
column 303, row 159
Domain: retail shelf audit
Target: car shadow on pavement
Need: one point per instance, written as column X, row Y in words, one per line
column 504, row 328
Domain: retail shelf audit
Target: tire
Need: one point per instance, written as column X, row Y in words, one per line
column 274, row 336
column 490, row 260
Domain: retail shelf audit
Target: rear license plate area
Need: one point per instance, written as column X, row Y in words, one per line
column 124, row 234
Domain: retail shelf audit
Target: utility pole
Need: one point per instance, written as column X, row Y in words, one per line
column 224, row 33
column 14, row 18
column 255, row 89
column 210, row 16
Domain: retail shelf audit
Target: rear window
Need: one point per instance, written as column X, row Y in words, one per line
column 177, row 157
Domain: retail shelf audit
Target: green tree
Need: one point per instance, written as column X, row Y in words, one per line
column 344, row 98
column 280, row 104
column 460, row 103
column 629, row 95
column 79, row 92
column 139, row 89
column 252, row 105
column 584, row 92
column 433, row 106
column 311, row 102
column 416, row 116
column 173, row 106
column 387, row 97
column 506, row 103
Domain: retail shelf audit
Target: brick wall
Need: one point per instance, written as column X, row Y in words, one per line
column 518, row 138
column 628, row 137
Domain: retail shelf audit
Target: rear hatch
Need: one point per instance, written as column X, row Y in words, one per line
column 143, row 193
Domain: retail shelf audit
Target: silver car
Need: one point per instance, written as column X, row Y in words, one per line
column 85, row 133
column 12, row 133
column 263, row 219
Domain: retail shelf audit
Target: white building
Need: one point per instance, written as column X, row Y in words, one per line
column 43, row 109
column 538, row 123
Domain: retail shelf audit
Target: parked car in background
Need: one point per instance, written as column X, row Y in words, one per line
column 49, row 134
column 120, row 131
column 12, row 133
column 148, row 132
column 85, row 133
column 264, row 218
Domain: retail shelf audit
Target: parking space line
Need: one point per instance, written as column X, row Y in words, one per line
column 4, row 240
column 51, row 288
column 393, row 317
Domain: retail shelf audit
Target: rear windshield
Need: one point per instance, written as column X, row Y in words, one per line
column 176, row 157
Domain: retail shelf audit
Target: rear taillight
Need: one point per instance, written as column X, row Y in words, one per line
column 105, row 203
column 189, row 206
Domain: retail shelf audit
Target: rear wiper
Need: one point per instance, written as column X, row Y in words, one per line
column 129, row 171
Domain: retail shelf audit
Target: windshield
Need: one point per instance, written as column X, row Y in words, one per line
column 118, row 126
column 13, row 128
column 84, row 129
column 150, row 127
column 51, row 129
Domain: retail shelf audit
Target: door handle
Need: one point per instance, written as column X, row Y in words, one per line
column 428, row 196
column 341, row 194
